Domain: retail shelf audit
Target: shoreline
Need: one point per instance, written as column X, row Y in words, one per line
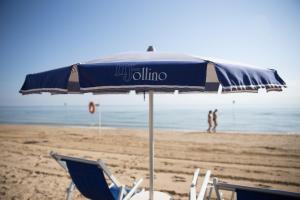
column 155, row 129
column 186, row 119
column 258, row 160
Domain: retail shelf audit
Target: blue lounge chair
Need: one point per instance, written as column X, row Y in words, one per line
column 88, row 177
column 239, row 192
column 250, row 193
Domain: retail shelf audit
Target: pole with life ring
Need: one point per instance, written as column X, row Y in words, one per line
column 92, row 110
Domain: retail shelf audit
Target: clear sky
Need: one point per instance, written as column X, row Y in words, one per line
column 41, row 35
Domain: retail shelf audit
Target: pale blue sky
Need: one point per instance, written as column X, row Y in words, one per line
column 42, row 35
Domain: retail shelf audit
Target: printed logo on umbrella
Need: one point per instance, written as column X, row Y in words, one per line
column 139, row 74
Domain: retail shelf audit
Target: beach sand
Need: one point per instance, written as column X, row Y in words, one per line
column 28, row 172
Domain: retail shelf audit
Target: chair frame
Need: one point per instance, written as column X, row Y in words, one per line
column 123, row 195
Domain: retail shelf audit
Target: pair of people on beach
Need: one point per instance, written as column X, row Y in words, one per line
column 212, row 121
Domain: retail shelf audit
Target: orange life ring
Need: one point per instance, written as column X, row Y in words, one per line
column 92, row 107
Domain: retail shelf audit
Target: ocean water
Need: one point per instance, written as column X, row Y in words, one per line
column 233, row 118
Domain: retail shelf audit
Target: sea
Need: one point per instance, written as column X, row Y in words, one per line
column 235, row 118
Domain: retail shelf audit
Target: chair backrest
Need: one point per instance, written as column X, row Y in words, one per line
column 247, row 193
column 243, row 194
column 88, row 177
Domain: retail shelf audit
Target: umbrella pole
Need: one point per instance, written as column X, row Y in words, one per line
column 151, row 145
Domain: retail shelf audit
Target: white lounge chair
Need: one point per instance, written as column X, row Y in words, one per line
column 88, row 177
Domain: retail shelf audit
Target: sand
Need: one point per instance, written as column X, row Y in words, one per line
column 28, row 172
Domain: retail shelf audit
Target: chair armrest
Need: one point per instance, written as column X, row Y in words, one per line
column 134, row 188
column 204, row 186
column 192, row 193
column 195, row 177
column 121, row 194
column 193, row 185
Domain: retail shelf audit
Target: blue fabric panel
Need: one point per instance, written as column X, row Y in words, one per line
column 89, row 180
column 235, row 75
column 142, row 73
column 115, row 191
column 57, row 78
column 253, row 195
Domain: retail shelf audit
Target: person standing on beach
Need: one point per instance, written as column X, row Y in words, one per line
column 215, row 120
column 209, row 121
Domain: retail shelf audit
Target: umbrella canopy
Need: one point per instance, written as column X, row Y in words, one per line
column 158, row 72
column 153, row 72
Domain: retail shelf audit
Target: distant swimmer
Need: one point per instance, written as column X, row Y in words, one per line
column 215, row 121
column 209, row 121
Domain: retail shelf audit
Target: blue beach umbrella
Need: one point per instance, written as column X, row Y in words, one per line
column 152, row 72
